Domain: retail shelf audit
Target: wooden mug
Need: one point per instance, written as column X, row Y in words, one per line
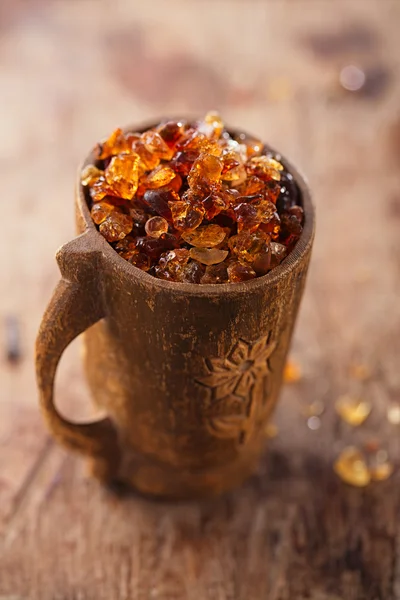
column 187, row 374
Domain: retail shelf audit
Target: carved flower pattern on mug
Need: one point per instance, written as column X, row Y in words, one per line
column 238, row 373
column 237, row 388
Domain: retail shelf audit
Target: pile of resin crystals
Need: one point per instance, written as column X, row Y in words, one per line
column 188, row 202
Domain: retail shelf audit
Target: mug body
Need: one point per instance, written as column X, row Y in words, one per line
column 190, row 374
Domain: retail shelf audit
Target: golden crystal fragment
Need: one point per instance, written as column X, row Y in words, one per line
column 352, row 410
column 208, row 256
column 206, row 236
column 160, row 176
column 90, row 175
column 351, row 467
column 100, row 211
column 213, row 119
column 116, row 226
column 156, row 226
column 122, row 175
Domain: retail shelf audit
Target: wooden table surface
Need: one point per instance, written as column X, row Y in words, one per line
column 70, row 70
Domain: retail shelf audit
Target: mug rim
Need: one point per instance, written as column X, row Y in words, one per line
column 278, row 273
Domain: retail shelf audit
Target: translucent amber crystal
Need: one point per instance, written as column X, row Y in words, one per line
column 252, row 185
column 230, row 196
column 272, row 227
column 171, row 132
column 132, row 138
column 159, row 177
column 185, row 216
column 175, row 184
column 265, row 209
column 140, row 260
column 122, row 175
column 141, row 188
column 233, row 170
column 195, row 141
column 247, row 216
column 138, row 215
column 100, row 189
column 230, row 160
column 214, row 204
column 205, row 173
column 240, row 272
column 206, row 236
column 351, row 467
column 278, row 253
column 262, row 262
column 208, row 256
column 212, row 126
column 126, row 247
column 192, row 272
column 254, row 146
column 290, row 225
column 116, row 226
column 215, row 274
column 171, row 265
column 115, row 144
column 353, row 410
column 264, row 167
column 251, row 211
column 100, row 211
column 90, row 175
column 230, row 145
column 156, row 226
column 148, row 159
column 183, row 162
column 159, row 200
column 228, row 232
column 187, row 142
column 246, row 246
column 272, row 190
column 154, row 247
column 155, row 144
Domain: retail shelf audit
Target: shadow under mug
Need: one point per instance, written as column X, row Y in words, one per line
column 187, row 374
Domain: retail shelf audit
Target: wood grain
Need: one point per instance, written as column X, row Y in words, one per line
column 293, row 531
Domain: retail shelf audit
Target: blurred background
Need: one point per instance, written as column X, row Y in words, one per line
column 318, row 80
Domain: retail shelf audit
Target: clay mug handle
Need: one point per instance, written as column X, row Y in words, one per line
column 76, row 305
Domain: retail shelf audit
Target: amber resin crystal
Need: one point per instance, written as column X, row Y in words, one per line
column 189, row 202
